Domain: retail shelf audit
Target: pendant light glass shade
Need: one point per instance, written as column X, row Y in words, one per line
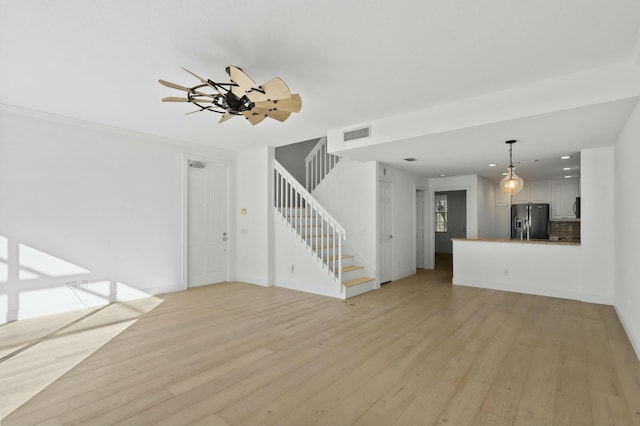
column 511, row 183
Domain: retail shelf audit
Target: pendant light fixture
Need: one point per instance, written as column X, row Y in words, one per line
column 511, row 183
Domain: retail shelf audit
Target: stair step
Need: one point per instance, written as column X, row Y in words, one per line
column 357, row 281
column 344, row 256
column 324, row 246
column 351, row 268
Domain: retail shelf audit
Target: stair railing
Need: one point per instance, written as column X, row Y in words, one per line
column 322, row 234
column 318, row 164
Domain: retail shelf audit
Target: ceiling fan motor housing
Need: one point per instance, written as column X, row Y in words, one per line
column 238, row 105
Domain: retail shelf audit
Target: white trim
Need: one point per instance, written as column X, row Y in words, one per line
column 526, row 289
column 255, row 280
column 634, row 344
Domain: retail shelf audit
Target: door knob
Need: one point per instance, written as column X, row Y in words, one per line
column 224, row 236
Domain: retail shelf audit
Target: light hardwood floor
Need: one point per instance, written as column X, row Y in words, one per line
column 419, row 351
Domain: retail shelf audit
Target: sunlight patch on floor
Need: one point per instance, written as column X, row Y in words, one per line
column 36, row 352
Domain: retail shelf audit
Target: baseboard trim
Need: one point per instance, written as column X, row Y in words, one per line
column 538, row 291
column 249, row 279
column 635, row 345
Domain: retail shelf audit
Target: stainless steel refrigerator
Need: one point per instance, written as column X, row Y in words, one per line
column 530, row 221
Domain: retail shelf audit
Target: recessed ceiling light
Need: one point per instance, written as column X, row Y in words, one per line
column 492, row 165
column 442, row 175
column 410, row 159
column 565, row 157
column 566, row 168
column 567, row 177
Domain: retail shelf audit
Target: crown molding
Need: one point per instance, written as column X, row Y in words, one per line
column 138, row 136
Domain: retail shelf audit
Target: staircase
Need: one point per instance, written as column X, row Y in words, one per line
column 318, row 164
column 320, row 233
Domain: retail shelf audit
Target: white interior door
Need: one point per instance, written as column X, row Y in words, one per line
column 385, row 232
column 419, row 229
column 207, row 223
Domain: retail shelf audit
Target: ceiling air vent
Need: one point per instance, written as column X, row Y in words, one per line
column 362, row 133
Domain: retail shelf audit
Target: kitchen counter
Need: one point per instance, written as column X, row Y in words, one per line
column 510, row 241
column 546, row 268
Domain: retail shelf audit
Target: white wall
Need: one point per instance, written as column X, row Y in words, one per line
column 296, row 267
column 254, row 247
column 597, row 225
column 349, row 195
column 292, row 157
column 627, row 230
column 82, row 202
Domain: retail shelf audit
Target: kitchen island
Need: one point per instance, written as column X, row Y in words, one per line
column 541, row 267
column 516, row 241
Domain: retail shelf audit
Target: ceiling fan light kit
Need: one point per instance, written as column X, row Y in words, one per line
column 511, row 183
column 240, row 97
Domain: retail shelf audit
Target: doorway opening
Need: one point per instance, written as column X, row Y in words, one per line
column 450, row 212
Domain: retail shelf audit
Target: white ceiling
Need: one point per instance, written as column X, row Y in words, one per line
column 351, row 61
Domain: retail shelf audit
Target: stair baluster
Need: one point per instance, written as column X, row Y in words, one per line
column 319, row 163
column 304, row 214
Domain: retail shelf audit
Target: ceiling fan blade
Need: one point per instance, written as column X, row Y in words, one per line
column 292, row 104
column 203, row 81
column 243, row 81
column 275, row 114
column 184, row 89
column 176, row 99
column 226, row 116
column 273, row 89
column 173, row 85
column 198, row 110
column 279, row 115
column 253, row 117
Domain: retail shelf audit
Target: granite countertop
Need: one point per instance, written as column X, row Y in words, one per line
column 505, row 240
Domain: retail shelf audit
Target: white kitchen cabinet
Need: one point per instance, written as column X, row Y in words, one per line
column 502, row 199
column 563, row 197
column 521, row 197
column 539, row 192
column 533, row 192
column 503, row 219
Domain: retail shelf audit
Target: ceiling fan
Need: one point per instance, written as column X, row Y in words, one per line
column 241, row 97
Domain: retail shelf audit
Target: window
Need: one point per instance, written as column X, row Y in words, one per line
column 441, row 213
